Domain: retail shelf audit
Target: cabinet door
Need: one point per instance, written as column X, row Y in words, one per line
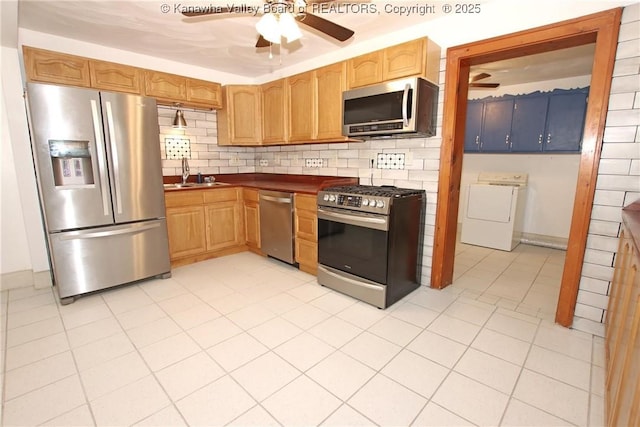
column 406, row 59
column 302, row 110
column 53, row 67
column 528, row 124
column 224, row 225
column 274, row 112
column 116, row 77
column 365, row 69
column 496, row 126
column 240, row 121
column 186, row 226
column 165, row 86
column 565, row 121
column 203, row 92
column 473, row 126
column 330, row 83
column 251, row 218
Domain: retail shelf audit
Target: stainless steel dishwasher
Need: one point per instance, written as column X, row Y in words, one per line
column 276, row 225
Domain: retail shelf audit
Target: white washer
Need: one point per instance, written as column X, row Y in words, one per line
column 494, row 210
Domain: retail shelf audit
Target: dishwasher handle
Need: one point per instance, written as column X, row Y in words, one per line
column 276, row 199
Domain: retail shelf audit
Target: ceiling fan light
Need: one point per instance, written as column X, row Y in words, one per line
column 289, row 27
column 269, row 28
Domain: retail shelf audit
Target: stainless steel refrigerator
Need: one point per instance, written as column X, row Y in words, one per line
column 97, row 160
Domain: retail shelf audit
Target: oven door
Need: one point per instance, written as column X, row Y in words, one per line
column 353, row 242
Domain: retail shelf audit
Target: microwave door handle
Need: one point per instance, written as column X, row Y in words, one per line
column 405, row 104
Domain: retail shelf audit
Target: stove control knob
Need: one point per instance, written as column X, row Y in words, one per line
column 379, row 204
column 326, row 198
column 332, row 198
column 365, row 202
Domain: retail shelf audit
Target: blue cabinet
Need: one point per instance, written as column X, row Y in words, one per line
column 496, row 127
column 565, row 121
column 529, row 122
column 535, row 122
column 473, row 127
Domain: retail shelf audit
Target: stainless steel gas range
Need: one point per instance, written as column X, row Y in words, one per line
column 370, row 241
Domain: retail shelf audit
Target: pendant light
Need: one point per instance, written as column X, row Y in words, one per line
column 178, row 121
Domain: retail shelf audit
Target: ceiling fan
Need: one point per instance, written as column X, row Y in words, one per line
column 473, row 82
column 276, row 11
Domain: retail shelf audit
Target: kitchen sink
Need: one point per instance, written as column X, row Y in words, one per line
column 192, row 185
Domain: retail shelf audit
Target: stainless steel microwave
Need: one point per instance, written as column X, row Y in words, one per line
column 399, row 108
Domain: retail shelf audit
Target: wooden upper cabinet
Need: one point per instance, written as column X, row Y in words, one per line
column 239, row 122
column 419, row 57
column 117, row 77
column 330, row 82
column 165, row 86
column 53, row 67
column 406, row 59
column 274, row 112
column 203, row 92
column 302, row 112
column 365, row 69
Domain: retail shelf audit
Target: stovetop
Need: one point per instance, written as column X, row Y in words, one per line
column 365, row 198
column 372, row 190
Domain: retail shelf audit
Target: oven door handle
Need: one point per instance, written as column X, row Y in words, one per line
column 381, row 223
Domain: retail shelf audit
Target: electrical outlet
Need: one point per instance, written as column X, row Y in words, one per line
column 234, row 160
column 313, row 163
column 391, row 160
column 264, row 162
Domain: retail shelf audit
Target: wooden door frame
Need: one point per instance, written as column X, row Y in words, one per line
column 601, row 28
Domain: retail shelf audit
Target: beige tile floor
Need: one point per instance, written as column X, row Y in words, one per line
column 248, row 341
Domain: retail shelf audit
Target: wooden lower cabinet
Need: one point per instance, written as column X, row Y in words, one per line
column 186, row 231
column 252, row 219
column 622, row 333
column 306, row 232
column 204, row 224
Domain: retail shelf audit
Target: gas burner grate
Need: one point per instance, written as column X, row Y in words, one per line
column 371, row 190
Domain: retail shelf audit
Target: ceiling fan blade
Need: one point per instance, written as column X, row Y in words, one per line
column 208, row 11
column 262, row 42
column 329, row 28
column 480, row 77
column 484, row 85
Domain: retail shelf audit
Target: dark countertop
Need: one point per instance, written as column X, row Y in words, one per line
column 307, row 184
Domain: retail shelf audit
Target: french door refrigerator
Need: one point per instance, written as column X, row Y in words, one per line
column 97, row 160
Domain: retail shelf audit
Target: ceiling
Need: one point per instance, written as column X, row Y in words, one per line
column 225, row 42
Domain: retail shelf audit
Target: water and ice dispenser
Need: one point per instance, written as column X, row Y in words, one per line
column 71, row 162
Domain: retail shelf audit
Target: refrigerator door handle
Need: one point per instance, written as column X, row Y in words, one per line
column 114, row 156
column 101, row 158
column 132, row 229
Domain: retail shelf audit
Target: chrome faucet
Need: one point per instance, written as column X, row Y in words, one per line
column 185, row 170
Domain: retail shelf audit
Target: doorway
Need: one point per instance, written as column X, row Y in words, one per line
column 601, row 29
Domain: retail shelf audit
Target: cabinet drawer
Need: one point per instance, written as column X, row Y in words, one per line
column 221, row 195
column 307, row 253
column 306, row 202
column 307, row 225
column 182, row 198
column 250, row 195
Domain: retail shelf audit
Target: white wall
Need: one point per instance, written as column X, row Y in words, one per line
column 618, row 181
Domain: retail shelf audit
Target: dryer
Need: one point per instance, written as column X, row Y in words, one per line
column 494, row 210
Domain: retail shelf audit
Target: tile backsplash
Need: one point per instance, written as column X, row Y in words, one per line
column 205, row 156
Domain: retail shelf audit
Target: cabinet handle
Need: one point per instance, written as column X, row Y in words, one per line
column 477, row 139
column 506, row 140
column 548, row 138
column 540, row 139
